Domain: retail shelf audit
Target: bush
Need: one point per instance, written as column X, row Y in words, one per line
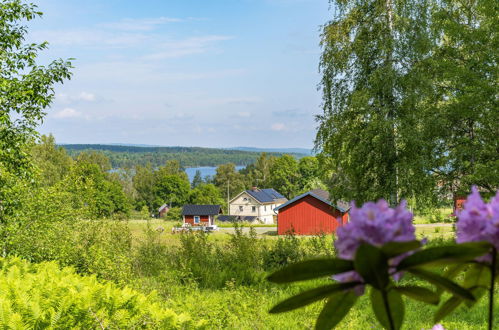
column 286, row 250
column 45, row 296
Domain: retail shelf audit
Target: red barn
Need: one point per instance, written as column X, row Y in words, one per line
column 200, row 215
column 311, row 213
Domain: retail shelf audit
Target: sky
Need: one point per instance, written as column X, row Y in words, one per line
column 209, row 73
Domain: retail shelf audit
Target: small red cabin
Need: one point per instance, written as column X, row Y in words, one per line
column 310, row 214
column 163, row 210
column 200, row 215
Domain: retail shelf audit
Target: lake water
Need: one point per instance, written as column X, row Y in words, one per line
column 205, row 171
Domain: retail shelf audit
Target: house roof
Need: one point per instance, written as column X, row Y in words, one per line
column 191, row 209
column 321, row 195
column 268, row 195
column 163, row 207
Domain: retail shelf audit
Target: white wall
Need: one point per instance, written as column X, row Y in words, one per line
column 264, row 212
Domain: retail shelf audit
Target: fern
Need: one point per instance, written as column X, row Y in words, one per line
column 39, row 296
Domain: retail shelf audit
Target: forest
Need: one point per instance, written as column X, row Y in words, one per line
column 409, row 113
column 130, row 156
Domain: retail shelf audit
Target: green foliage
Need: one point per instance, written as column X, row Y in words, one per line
column 285, row 175
column 373, row 266
column 51, row 160
column 172, row 189
column 44, row 296
column 94, row 157
column 175, row 213
column 206, row 193
column 286, row 250
column 229, row 181
column 130, row 156
column 92, row 193
column 26, row 88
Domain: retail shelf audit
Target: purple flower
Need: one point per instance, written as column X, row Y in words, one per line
column 479, row 221
column 438, row 327
column 375, row 224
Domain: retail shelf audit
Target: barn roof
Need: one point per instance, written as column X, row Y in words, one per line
column 319, row 194
column 268, row 195
column 192, row 209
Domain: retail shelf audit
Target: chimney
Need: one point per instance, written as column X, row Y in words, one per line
column 254, row 188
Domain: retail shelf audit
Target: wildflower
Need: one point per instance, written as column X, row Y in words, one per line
column 479, row 221
column 375, row 224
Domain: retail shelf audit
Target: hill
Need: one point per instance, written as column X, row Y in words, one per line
column 122, row 156
column 300, row 151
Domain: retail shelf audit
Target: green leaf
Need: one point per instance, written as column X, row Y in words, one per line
column 372, row 265
column 336, row 308
column 447, row 308
column 477, row 275
column 451, row 272
column 310, row 296
column 393, row 305
column 445, row 254
column 310, row 269
column 393, row 249
column 443, row 282
column 419, row 293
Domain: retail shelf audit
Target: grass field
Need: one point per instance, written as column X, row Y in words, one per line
column 246, row 306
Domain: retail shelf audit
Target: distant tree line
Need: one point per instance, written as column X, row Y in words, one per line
column 130, row 156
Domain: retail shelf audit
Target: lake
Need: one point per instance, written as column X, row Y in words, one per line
column 205, row 171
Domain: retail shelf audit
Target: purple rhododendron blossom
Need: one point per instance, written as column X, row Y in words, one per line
column 438, row 327
column 375, row 224
column 479, row 221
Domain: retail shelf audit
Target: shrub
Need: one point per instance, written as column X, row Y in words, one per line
column 45, row 296
column 286, row 250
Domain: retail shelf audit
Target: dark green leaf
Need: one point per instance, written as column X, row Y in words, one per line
column 393, row 305
column 372, row 265
column 394, row 249
column 310, row 296
column 445, row 254
column 443, row 282
column 447, row 308
column 477, row 275
column 335, row 310
column 478, row 292
column 419, row 293
column 451, row 272
column 310, row 269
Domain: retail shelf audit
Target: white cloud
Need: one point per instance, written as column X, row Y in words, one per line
column 68, row 99
column 244, row 114
column 84, row 96
column 278, row 127
column 67, row 113
column 144, row 24
column 188, row 46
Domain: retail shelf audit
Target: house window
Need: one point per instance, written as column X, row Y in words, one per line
column 245, row 199
column 197, row 218
column 265, row 207
column 240, row 208
column 253, row 209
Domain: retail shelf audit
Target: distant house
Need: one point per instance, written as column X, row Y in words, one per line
column 163, row 210
column 256, row 205
column 311, row 213
column 200, row 215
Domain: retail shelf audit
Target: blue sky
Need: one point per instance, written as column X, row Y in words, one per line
column 212, row 73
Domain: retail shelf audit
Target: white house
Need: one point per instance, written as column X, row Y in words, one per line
column 256, row 204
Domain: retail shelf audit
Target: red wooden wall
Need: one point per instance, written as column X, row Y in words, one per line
column 190, row 219
column 309, row 216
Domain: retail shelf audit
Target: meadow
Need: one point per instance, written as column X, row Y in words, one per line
column 210, row 289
